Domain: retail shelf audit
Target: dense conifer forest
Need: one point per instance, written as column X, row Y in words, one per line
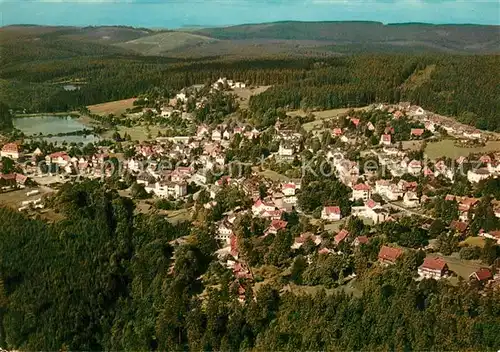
column 106, row 279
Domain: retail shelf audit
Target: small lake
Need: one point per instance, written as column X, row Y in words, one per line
column 50, row 124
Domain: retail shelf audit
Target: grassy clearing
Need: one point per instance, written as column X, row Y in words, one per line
column 113, row 107
column 412, row 145
column 447, row 148
column 473, row 241
column 418, row 78
column 137, row 133
column 320, row 116
column 175, row 216
column 244, row 94
column 274, row 176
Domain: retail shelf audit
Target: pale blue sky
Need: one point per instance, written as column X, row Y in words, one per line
column 177, row 13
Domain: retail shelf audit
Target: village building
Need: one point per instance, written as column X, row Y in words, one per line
column 12, row 151
column 331, row 213
column 389, row 255
column 433, row 268
column 361, row 191
column 475, row 176
column 299, row 241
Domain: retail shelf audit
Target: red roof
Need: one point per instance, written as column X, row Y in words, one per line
column 355, row 121
column 459, row 226
column 370, row 203
column 485, row 159
column 337, row 131
column 362, row 239
column 278, row 224
column 8, row 177
column 341, row 236
column 58, row 155
column 434, row 264
column 361, row 187
column 10, row 148
column 289, row 185
column 417, row 131
column 389, row 253
column 482, row 274
column 386, row 137
column 332, row 210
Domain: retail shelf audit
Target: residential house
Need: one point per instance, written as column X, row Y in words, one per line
column 433, row 268
column 361, row 191
column 360, row 240
column 414, row 167
column 385, row 139
column 483, row 275
column 416, row 132
column 494, row 235
column 475, row 176
column 341, row 236
column 331, row 213
column 371, row 210
column 288, row 189
column 224, row 232
column 410, row 200
column 299, row 241
column 259, row 206
column 459, row 227
column 286, row 150
column 276, row 225
column 216, row 135
column 11, row 150
column 168, row 189
column 389, row 255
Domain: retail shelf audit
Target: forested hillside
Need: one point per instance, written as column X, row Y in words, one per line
column 106, row 279
column 472, row 38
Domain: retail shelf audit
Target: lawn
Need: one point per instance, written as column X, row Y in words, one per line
column 320, row 116
column 447, row 148
column 137, row 133
column 244, row 94
column 473, row 241
column 274, row 176
column 112, row 107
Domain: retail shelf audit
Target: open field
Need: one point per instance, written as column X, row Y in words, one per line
column 448, row 148
column 137, row 133
column 274, row 176
column 411, row 145
column 116, row 107
column 175, row 216
column 13, row 199
column 320, row 116
column 473, row 241
column 244, row 94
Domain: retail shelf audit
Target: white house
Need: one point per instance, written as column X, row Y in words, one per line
column 260, row 206
column 410, row 200
column 181, row 97
column 216, row 135
column 371, row 210
column 414, row 167
column 331, row 213
column 475, row 176
column 433, row 268
column 165, row 190
column 285, row 150
column 385, row 139
column 361, row 191
column 288, row 189
column 11, row 150
column 224, row 232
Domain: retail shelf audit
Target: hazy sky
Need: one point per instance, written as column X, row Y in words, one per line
column 177, row 13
